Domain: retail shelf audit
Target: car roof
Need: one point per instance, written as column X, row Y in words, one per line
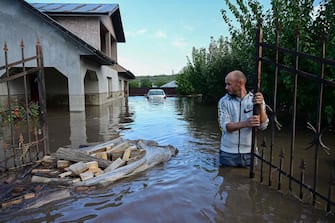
column 156, row 90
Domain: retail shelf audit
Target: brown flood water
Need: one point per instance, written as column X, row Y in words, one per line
column 191, row 187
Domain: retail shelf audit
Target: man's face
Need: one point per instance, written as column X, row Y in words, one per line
column 232, row 85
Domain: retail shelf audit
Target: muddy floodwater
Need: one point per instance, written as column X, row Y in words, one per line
column 190, row 187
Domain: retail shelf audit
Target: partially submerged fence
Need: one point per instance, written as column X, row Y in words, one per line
column 24, row 129
column 282, row 165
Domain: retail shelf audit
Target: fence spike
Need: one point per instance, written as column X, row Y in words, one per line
column 22, row 44
column 302, row 165
column 5, row 48
column 38, row 41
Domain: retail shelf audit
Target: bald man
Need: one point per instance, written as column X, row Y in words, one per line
column 236, row 119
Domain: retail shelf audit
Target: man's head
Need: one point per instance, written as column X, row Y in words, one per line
column 235, row 83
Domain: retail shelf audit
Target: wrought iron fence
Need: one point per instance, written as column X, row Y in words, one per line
column 277, row 162
column 24, row 128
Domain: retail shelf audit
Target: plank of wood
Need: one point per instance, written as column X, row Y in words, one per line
column 102, row 146
column 38, row 179
column 65, row 174
column 76, row 155
column 78, row 168
column 126, row 155
column 116, row 164
column 63, row 164
column 86, row 175
column 120, row 147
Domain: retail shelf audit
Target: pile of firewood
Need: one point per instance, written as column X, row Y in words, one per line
column 68, row 166
column 84, row 168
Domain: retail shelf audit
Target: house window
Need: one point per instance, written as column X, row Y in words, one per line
column 110, row 87
column 120, row 87
column 104, row 40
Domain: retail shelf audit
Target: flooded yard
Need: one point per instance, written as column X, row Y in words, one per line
column 191, row 187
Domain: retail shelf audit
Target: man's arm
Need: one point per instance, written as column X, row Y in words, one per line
column 254, row 121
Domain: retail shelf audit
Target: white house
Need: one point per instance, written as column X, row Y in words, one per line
column 79, row 43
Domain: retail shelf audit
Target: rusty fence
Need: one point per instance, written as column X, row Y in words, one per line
column 24, row 129
column 306, row 173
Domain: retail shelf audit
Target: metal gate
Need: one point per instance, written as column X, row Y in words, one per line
column 24, row 129
column 280, row 165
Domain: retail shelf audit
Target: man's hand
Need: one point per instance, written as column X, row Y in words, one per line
column 258, row 98
column 253, row 121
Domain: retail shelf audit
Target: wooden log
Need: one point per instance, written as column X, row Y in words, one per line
column 61, row 164
column 114, row 155
column 86, row 175
column 136, row 155
column 92, row 165
column 38, row 179
column 126, row 155
column 41, row 171
column 116, row 164
column 12, row 202
column 76, row 180
column 76, row 155
column 78, row 168
column 29, row 196
column 97, row 172
column 120, row 147
column 65, row 174
column 101, row 155
column 101, row 147
column 49, row 162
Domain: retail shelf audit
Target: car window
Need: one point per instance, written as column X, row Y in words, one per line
column 156, row 92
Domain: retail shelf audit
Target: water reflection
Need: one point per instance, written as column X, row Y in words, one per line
column 189, row 188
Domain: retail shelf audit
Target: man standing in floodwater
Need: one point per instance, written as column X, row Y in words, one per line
column 236, row 119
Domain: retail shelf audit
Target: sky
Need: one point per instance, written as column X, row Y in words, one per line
column 160, row 34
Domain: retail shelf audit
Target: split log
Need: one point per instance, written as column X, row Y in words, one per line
column 47, row 180
column 78, row 168
column 116, row 164
column 100, row 155
column 76, row 155
column 126, row 155
column 120, row 147
column 12, row 202
column 92, row 165
column 101, row 147
column 42, row 171
column 48, row 162
column 86, row 175
column 65, row 174
column 62, row 164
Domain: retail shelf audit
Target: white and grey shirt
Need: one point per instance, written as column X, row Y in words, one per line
column 234, row 109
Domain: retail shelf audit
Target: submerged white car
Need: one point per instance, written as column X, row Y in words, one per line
column 155, row 94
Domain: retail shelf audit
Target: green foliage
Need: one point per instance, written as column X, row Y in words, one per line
column 17, row 112
column 149, row 81
column 206, row 71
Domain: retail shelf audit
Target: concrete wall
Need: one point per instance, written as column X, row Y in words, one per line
column 87, row 28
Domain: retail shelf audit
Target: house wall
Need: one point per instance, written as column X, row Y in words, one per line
column 59, row 51
column 87, row 28
column 96, row 83
column 65, row 70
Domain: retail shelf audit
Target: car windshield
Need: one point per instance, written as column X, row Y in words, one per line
column 156, row 93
